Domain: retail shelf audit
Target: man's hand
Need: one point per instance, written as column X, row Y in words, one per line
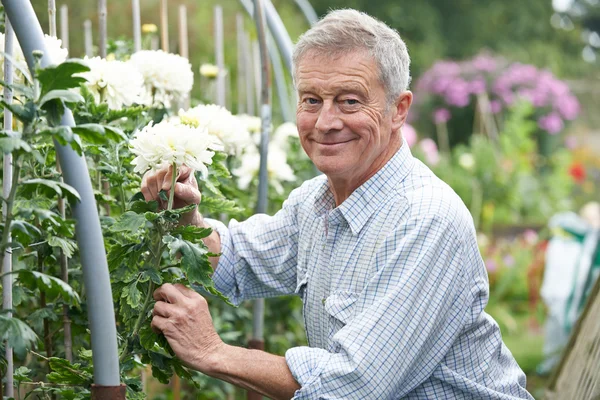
column 186, row 191
column 182, row 315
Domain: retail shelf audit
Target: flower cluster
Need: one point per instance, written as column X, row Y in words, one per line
column 118, row 83
column 219, row 122
column 168, row 143
column 53, row 46
column 167, row 76
column 457, row 84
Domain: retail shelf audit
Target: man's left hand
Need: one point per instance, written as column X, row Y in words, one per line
column 182, row 315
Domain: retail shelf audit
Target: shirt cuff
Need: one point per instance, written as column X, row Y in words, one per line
column 224, row 276
column 307, row 365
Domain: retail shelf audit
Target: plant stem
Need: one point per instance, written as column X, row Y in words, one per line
column 9, row 206
column 172, row 191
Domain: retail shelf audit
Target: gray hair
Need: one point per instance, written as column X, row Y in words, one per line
column 342, row 31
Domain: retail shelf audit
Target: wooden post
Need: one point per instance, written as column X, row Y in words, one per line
column 102, row 40
column 183, row 44
column 164, row 26
column 219, row 56
column 64, row 26
column 241, row 70
column 88, row 40
column 137, row 25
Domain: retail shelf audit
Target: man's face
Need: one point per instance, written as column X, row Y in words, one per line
column 344, row 122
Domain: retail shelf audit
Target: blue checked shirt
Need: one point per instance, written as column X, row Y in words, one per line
column 393, row 288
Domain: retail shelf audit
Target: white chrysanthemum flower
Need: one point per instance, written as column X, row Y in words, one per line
column 166, row 76
column 220, row 123
column 118, row 83
column 166, row 143
column 209, row 71
column 278, row 169
column 252, row 123
column 467, row 161
column 283, row 132
column 53, row 46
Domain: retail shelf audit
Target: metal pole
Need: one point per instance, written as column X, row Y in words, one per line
column 102, row 40
column 257, row 341
column 277, row 29
column 219, row 56
column 88, row 38
column 280, row 83
column 137, row 25
column 249, row 75
column 64, row 26
column 164, row 25
column 308, row 11
column 257, row 73
column 241, row 70
column 88, row 231
column 7, row 279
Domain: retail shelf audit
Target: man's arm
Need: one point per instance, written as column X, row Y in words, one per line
column 182, row 315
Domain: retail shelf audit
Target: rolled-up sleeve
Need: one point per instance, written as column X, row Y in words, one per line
column 258, row 256
column 411, row 313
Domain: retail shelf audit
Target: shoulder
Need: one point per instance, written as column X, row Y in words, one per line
column 428, row 198
column 305, row 193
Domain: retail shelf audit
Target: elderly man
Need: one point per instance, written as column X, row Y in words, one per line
column 383, row 254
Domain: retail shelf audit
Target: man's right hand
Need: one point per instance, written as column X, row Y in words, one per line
column 186, row 191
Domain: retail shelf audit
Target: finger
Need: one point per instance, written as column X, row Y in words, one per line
column 163, row 309
column 158, row 324
column 184, row 173
column 150, row 186
column 144, row 188
column 163, row 178
column 186, row 291
column 168, row 293
column 187, row 194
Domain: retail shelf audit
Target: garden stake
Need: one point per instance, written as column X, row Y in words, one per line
column 137, row 26
column 64, row 26
column 88, row 40
column 308, row 11
column 241, row 70
column 183, row 43
column 257, row 341
column 7, row 177
column 250, row 82
column 102, row 40
column 219, row 56
column 88, row 232
column 164, row 26
column 52, row 17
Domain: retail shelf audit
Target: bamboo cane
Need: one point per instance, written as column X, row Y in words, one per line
column 249, row 75
column 183, row 43
column 7, row 279
column 52, row 17
column 164, row 26
column 219, row 55
column 102, row 33
column 241, row 70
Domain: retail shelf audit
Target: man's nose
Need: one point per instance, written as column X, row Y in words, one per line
column 329, row 118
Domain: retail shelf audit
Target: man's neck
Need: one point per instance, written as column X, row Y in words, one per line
column 342, row 187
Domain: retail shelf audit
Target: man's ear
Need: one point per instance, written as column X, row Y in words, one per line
column 400, row 111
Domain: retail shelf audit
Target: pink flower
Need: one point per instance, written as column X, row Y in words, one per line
column 571, row 142
column 531, row 237
column 409, row 134
column 568, row 106
column 551, row 123
column 495, row 106
column 477, row 86
column 441, row 116
column 429, row 148
column 491, row 265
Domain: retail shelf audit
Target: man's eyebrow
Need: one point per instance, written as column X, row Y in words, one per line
column 341, row 89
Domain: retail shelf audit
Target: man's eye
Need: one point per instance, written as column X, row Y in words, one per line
column 351, row 102
column 312, row 101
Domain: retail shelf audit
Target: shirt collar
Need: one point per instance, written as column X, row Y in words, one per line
column 362, row 203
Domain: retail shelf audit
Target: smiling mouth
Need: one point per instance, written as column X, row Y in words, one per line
column 334, row 143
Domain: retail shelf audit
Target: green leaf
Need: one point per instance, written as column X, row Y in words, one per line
column 49, row 284
column 43, row 313
column 194, row 259
column 68, row 246
column 151, row 274
column 57, row 77
column 114, row 134
column 49, row 188
column 54, row 110
column 191, row 233
column 18, row 334
column 70, row 374
column 25, row 113
column 25, row 227
column 67, row 96
column 220, row 205
column 141, row 206
column 175, row 214
column 24, row 90
column 129, row 222
column 19, row 66
column 21, row 374
column 147, row 337
column 132, row 295
column 12, row 141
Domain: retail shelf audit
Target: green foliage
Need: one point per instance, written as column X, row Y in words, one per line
column 17, row 334
column 48, row 284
